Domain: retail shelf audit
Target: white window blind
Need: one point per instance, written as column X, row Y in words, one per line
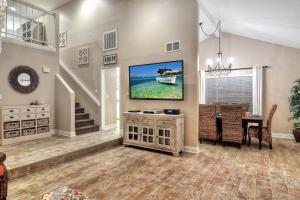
column 237, row 89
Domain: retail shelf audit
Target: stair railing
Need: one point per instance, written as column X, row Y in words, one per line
column 28, row 23
column 3, row 6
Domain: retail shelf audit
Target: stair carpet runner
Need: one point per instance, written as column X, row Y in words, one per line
column 83, row 123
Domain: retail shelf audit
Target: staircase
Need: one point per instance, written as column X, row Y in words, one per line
column 83, row 123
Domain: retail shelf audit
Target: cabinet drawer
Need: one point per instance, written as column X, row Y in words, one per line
column 28, row 110
column 28, row 123
column 28, row 116
column 11, row 125
column 133, row 121
column 30, row 131
column 148, row 121
column 43, row 115
column 43, row 109
column 165, row 122
column 11, row 134
column 43, row 122
column 43, row 129
column 12, row 111
column 11, row 118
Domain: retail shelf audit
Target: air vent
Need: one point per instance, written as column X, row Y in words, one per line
column 173, row 46
column 110, row 59
column 110, row 40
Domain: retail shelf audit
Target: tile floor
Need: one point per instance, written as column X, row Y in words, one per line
column 33, row 151
column 217, row 172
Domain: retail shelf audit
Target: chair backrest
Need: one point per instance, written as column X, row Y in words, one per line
column 245, row 106
column 207, row 117
column 231, row 117
column 219, row 104
column 270, row 118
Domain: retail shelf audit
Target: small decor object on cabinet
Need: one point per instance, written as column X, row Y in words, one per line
column 62, row 39
column 83, row 56
column 110, row 59
column 295, row 108
column 155, row 131
column 23, row 79
column 23, row 123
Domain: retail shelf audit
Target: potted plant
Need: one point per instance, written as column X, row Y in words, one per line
column 295, row 108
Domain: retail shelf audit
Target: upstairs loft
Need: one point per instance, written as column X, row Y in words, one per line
column 25, row 23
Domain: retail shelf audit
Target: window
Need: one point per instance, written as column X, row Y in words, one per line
column 235, row 89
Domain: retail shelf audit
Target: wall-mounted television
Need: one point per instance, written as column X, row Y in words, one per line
column 157, row 81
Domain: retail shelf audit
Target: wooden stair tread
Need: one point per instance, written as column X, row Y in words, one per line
column 83, row 120
column 87, row 127
column 79, row 114
column 83, row 123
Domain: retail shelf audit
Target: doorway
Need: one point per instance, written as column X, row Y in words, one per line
column 110, row 98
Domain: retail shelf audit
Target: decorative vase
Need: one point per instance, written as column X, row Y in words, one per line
column 296, row 133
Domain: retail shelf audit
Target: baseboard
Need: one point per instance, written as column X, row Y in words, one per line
column 283, row 136
column 190, row 149
column 65, row 133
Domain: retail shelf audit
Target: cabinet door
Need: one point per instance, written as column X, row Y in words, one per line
column 133, row 135
column 147, row 135
column 165, row 138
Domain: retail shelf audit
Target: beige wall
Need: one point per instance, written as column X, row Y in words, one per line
column 14, row 55
column 143, row 28
column 285, row 69
column 64, row 107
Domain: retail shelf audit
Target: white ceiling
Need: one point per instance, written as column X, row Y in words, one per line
column 275, row 21
column 48, row 4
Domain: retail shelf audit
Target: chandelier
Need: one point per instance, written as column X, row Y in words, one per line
column 218, row 69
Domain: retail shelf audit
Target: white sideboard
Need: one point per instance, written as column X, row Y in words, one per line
column 154, row 131
column 23, row 123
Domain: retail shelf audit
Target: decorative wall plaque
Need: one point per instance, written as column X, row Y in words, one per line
column 23, row 79
column 110, row 59
column 62, row 39
column 83, row 56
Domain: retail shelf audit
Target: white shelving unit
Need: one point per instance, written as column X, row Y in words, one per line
column 23, row 123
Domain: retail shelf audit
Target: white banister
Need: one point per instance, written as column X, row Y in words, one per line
column 3, row 6
column 80, row 84
column 28, row 23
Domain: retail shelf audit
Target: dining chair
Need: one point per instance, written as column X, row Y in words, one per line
column 232, row 129
column 207, row 123
column 266, row 131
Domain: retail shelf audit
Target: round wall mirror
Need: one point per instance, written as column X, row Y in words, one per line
column 23, row 79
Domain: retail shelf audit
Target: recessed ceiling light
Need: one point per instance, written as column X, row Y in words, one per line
column 12, row 8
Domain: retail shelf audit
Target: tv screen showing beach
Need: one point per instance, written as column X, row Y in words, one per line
column 157, row 81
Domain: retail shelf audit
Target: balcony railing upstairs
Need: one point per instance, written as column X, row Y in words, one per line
column 28, row 23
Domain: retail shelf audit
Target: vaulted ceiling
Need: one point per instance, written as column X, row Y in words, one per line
column 48, row 4
column 275, row 21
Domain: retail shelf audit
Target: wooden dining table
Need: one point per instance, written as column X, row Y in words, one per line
column 246, row 119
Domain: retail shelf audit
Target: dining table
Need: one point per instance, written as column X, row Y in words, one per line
column 246, row 119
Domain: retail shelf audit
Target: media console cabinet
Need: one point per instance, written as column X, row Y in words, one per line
column 154, row 131
column 23, row 123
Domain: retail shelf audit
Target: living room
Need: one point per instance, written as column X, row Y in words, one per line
column 103, row 99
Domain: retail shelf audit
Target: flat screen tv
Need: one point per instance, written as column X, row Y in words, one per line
column 157, row 81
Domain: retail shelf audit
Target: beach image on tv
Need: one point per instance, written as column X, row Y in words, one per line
column 157, row 81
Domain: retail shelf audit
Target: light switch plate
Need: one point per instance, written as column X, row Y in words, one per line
column 1, row 96
column 46, row 70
